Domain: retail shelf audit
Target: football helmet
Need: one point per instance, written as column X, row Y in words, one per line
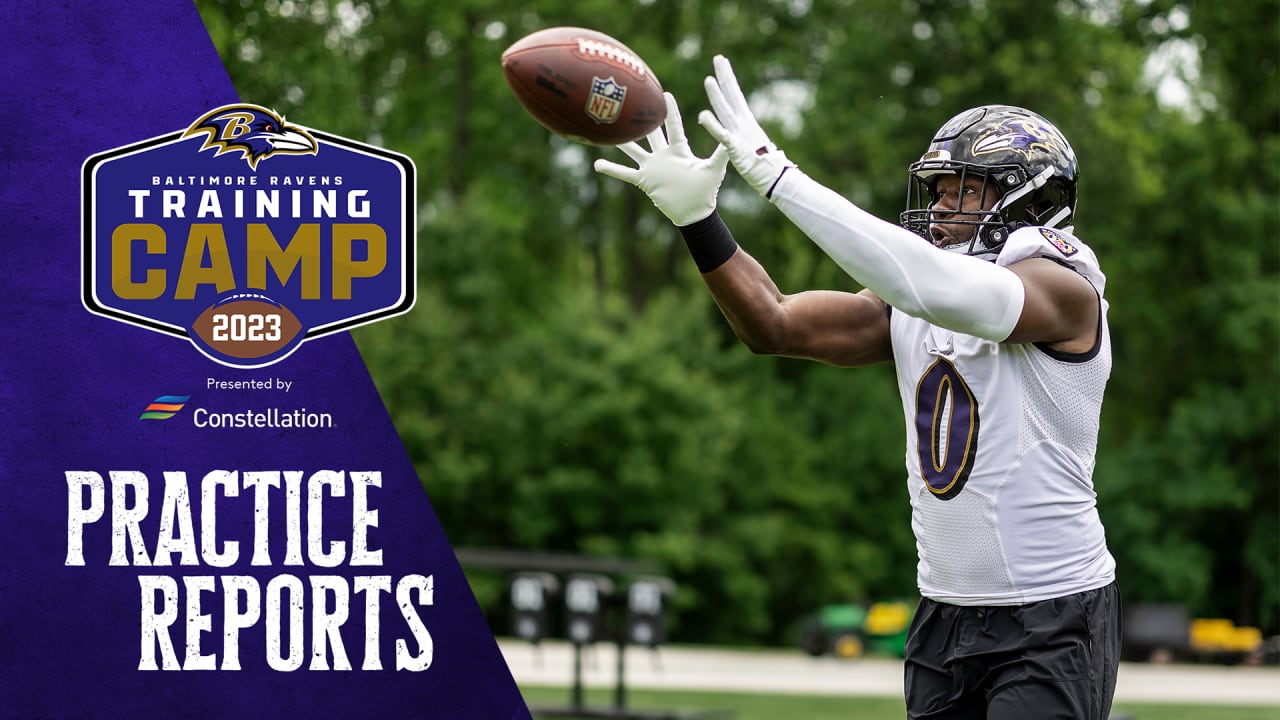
column 1025, row 157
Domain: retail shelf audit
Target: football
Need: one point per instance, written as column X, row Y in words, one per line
column 247, row 326
column 584, row 85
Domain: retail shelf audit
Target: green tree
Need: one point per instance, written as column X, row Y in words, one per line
column 566, row 384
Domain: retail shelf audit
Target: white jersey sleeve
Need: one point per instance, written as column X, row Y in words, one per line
column 963, row 293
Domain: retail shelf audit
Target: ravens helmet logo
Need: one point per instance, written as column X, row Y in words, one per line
column 1021, row 135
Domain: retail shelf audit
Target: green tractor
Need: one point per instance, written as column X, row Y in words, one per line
column 849, row 631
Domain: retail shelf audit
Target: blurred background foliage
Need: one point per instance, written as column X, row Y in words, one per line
column 565, row 383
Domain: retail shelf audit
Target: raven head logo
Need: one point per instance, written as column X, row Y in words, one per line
column 254, row 131
column 1023, row 136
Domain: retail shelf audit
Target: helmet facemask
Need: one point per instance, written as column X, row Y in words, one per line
column 923, row 215
column 1017, row 205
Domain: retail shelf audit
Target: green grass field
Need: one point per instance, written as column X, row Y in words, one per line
column 743, row 706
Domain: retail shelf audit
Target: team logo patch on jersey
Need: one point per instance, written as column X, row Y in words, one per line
column 1056, row 240
column 280, row 235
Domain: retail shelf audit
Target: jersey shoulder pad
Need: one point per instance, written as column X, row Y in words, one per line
column 1055, row 244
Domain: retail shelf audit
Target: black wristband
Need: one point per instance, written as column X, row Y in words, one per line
column 709, row 242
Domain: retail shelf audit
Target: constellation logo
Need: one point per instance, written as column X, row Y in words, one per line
column 271, row 417
column 164, row 407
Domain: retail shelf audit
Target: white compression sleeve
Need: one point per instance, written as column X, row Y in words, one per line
column 957, row 292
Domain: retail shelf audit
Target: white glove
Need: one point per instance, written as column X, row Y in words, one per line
column 755, row 157
column 682, row 185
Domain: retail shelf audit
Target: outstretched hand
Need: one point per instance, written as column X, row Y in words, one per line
column 730, row 121
column 682, row 185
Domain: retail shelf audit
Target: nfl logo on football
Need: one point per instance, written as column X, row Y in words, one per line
column 248, row 235
column 604, row 104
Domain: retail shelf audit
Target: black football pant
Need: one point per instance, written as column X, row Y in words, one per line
column 1055, row 659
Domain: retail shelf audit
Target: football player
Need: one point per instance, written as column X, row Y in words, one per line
column 993, row 315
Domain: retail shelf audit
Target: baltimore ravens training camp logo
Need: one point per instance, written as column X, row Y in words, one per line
column 280, row 235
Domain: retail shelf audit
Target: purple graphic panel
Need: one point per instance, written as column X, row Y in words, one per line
column 256, row 532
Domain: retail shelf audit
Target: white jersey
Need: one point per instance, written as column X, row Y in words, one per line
column 1000, row 452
